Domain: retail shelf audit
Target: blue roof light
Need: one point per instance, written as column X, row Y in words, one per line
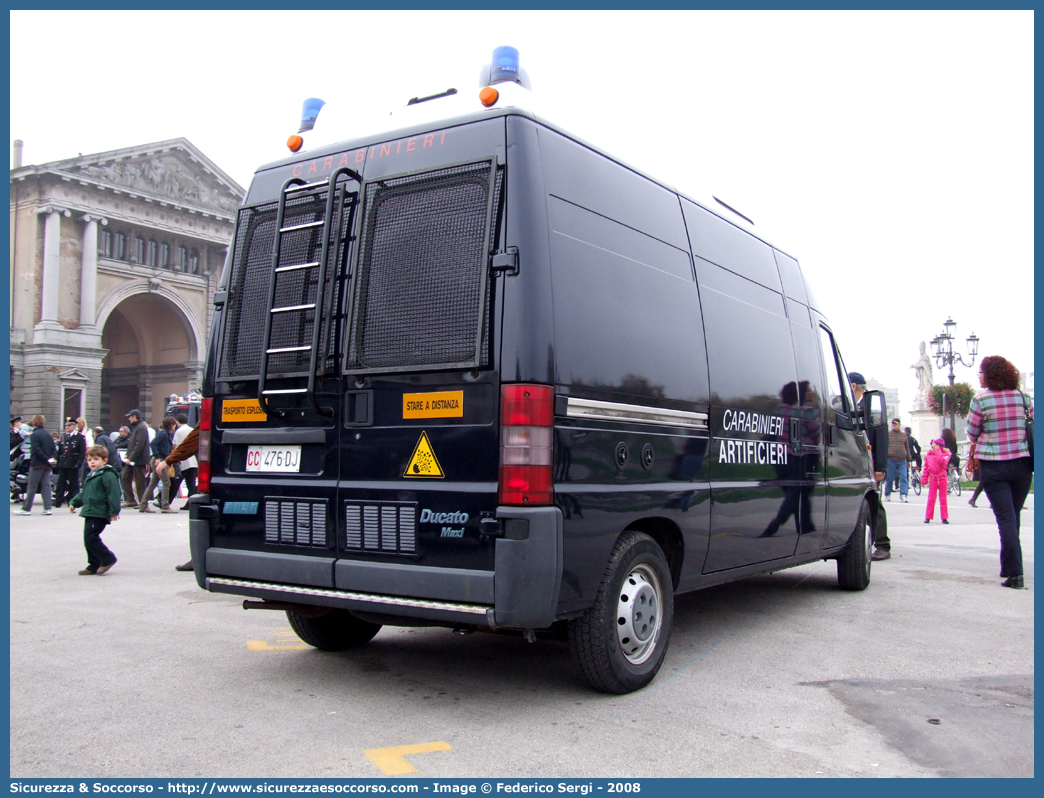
column 309, row 113
column 504, row 66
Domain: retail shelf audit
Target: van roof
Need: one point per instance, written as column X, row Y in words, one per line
column 709, row 203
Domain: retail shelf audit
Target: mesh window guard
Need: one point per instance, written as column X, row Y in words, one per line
column 420, row 295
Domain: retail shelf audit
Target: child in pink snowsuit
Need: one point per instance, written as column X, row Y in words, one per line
column 934, row 476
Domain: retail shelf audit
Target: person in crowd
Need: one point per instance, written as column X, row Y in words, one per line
column 878, row 440
column 87, row 432
column 950, row 439
column 187, row 469
column 898, row 462
column 122, row 439
column 161, row 446
column 42, row 460
column 16, row 433
column 915, row 447
column 101, row 438
column 54, row 471
column 974, row 474
column 997, row 428
column 136, row 460
column 88, row 436
column 936, row 464
column 188, row 448
column 72, row 449
column 100, row 500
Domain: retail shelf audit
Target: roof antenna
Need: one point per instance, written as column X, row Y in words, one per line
column 740, row 215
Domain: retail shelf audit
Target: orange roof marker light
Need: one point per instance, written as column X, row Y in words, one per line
column 488, row 96
column 295, row 143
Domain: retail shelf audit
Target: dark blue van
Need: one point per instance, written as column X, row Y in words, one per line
column 479, row 374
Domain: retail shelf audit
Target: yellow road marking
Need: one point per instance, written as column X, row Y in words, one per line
column 261, row 645
column 392, row 760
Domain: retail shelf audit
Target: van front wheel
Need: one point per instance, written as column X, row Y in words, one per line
column 620, row 642
column 336, row 631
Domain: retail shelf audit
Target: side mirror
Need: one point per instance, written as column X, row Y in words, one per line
column 874, row 410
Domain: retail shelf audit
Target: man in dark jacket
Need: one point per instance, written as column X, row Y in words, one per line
column 41, row 461
column 878, row 440
column 136, row 461
column 101, row 438
column 72, row 449
column 915, row 447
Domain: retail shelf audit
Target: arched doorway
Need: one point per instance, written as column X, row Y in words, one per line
column 153, row 352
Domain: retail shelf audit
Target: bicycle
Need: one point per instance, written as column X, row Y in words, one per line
column 915, row 479
column 953, row 481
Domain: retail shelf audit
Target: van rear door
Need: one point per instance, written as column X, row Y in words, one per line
column 418, row 439
column 277, row 389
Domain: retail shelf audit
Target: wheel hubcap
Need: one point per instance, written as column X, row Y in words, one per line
column 638, row 615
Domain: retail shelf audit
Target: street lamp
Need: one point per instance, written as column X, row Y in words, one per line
column 942, row 349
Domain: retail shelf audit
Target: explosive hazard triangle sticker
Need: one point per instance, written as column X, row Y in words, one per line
column 423, row 463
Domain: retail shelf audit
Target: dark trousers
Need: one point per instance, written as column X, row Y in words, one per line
column 98, row 553
column 133, row 479
column 1007, row 484
column 881, row 539
column 68, row 485
column 975, row 495
column 189, row 475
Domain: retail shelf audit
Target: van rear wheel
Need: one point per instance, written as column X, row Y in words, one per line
column 336, row 631
column 853, row 567
column 620, row 642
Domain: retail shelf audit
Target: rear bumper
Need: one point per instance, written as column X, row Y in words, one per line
column 521, row 592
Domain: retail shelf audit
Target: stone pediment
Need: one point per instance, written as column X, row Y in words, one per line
column 174, row 171
column 73, row 375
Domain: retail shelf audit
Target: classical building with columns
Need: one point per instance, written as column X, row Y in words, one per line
column 115, row 258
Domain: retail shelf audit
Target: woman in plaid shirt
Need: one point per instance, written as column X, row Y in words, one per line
column 997, row 428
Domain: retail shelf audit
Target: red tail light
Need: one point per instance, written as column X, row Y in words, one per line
column 206, row 423
column 527, row 414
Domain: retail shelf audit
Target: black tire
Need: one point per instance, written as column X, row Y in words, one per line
column 917, row 484
column 336, row 631
column 956, row 481
column 853, row 567
column 620, row 642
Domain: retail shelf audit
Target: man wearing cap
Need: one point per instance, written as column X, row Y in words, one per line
column 72, row 447
column 898, row 458
column 135, row 461
column 16, row 433
column 878, row 440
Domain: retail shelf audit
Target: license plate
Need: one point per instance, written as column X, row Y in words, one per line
column 273, row 458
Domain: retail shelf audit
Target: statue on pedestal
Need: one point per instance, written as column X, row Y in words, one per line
column 925, row 381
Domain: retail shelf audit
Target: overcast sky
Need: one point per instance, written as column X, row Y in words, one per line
column 890, row 152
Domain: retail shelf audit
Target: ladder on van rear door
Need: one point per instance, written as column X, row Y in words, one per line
column 297, row 290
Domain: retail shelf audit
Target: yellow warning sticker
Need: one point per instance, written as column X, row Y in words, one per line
column 423, row 463
column 436, row 404
column 242, row 410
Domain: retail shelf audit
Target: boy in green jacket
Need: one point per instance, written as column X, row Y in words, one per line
column 100, row 499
